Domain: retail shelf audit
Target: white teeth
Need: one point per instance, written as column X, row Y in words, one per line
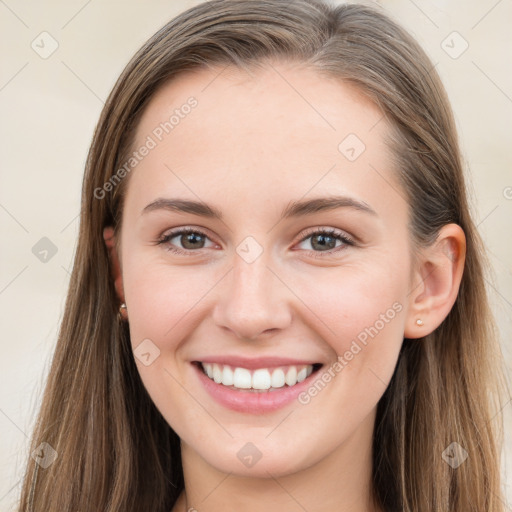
column 291, row 376
column 217, row 374
column 302, row 374
column 227, row 376
column 242, row 378
column 277, row 378
column 261, row 379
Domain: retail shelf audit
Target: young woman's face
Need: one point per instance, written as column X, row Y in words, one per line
column 296, row 254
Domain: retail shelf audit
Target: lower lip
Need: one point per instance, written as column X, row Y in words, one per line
column 253, row 402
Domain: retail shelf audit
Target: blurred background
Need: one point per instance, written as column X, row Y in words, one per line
column 59, row 63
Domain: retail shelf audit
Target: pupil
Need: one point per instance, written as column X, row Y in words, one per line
column 190, row 238
column 325, row 242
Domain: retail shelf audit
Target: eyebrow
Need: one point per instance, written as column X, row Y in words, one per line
column 294, row 208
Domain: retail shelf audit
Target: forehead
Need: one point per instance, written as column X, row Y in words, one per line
column 281, row 128
column 290, row 99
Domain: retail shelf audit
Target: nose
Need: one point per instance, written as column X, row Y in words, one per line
column 253, row 301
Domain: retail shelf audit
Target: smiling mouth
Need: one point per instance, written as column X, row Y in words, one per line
column 257, row 380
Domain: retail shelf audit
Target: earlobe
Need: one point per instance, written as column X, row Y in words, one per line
column 437, row 282
column 109, row 237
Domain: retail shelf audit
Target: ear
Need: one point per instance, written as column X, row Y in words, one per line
column 109, row 237
column 436, row 281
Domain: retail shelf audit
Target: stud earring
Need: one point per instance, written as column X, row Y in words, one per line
column 123, row 311
column 419, row 322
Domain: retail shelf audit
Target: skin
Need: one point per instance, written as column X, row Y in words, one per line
column 251, row 146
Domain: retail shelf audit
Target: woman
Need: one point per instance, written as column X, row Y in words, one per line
column 278, row 298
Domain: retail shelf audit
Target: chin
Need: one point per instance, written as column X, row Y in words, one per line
column 257, row 459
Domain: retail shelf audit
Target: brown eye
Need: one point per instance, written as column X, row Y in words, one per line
column 192, row 240
column 323, row 242
column 185, row 241
column 326, row 241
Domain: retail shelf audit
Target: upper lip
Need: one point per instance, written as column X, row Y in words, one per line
column 255, row 362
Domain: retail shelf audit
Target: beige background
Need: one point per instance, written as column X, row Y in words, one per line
column 49, row 108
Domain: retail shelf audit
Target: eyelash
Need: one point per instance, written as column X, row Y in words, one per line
column 338, row 235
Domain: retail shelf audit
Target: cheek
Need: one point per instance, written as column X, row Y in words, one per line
column 162, row 299
column 165, row 306
column 348, row 300
column 360, row 313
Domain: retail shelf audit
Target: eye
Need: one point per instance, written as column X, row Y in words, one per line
column 190, row 240
column 324, row 240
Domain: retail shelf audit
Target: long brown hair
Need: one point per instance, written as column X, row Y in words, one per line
column 115, row 452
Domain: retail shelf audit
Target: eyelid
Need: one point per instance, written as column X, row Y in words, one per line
column 171, row 233
column 324, row 229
